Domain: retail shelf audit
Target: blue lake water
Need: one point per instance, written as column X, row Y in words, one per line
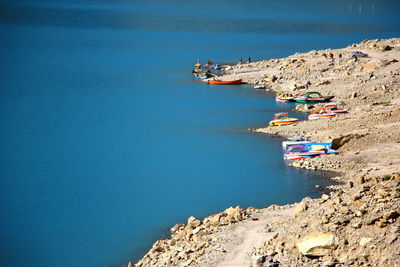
column 107, row 141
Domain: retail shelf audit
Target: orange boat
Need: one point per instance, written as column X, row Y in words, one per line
column 225, row 82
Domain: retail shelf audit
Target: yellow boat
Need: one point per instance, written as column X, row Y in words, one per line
column 282, row 119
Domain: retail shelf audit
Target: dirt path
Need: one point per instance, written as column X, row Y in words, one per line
column 253, row 234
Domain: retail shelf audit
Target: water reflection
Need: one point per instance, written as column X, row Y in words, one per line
column 361, row 7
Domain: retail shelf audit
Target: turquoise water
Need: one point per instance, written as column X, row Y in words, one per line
column 106, row 139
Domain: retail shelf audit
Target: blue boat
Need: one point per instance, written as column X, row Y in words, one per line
column 323, row 148
column 306, row 149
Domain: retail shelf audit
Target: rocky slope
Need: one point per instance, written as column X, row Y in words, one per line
column 357, row 224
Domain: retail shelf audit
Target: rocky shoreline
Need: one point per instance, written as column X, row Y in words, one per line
column 356, row 224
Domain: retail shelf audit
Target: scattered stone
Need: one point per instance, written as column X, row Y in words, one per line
column 362, row 213
column 325, row 197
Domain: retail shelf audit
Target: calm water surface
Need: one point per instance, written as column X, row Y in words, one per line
column 106, row 141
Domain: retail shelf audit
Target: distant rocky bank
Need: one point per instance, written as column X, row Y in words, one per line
column 357, row 224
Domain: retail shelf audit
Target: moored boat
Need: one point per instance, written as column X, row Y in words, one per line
column 321, row 113
column 306, row 149
column 299, row 152
column 284, row 97
column 239, row 81
column 312, row 97
column 332, row 107
column 282, row 119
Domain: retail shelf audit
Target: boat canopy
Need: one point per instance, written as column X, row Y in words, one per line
column 322, row 110
column 297, row 149
column 280, row 116
column 313, row 95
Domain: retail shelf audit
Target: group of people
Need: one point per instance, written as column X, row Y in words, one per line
column 330, row 55
column 248, row 60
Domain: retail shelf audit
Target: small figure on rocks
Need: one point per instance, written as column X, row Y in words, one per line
column 331, row 56
column 249, row 61
column 308, row 83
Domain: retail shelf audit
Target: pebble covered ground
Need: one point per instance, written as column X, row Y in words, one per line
column 358, row 223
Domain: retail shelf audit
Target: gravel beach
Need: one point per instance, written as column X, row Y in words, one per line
column 356, row 224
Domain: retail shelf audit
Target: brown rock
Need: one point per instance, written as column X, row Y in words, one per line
column 344, row 210
column 317, row 244
column 359, row 213
column 213, row 220
column 393, row 214
column 325, row 197
column 192, row 222
column 372, row 66
column 385, row 48
column 358, row 203
column 340, row 141
column 382, row 192
column 234, row 214
column 250, row 209
column 355, row 196
column 300, row 208
column 359, row 180
column 176, row 227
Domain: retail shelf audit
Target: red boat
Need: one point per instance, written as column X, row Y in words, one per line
column 225, row 82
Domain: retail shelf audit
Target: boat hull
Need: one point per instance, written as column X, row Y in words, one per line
column 283, row 122
column 339, row 110
column 225, row 82
column 301, row 155
column 303, row 99
column 200, row 77
column 284, row 99
column 321, row 116
column 309, row 100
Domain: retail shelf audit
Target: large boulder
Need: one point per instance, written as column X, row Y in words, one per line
column 193, row 222
column 234, row 214
column 372, row 65
column 301, row 207
column 340, row 141
column 317, row 244
column 213, row 220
